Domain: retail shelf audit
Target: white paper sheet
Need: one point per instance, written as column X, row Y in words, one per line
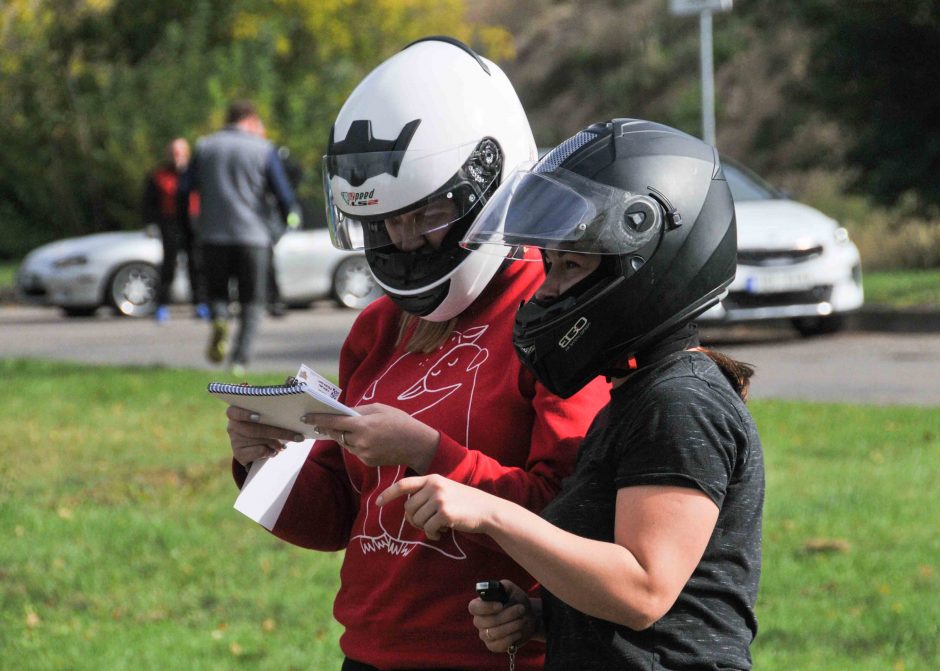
column 269, row 483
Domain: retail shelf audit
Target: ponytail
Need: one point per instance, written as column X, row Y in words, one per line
column 422, row 335
column 738, row 373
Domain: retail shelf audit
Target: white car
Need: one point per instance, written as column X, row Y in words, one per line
column 794, row 262
column 121, row 270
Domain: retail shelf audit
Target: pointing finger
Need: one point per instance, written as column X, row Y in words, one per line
column 401, row 488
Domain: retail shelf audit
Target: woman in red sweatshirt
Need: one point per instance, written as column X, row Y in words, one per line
column 419, row 146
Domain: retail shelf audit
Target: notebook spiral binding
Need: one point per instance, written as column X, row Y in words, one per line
column 249, row 390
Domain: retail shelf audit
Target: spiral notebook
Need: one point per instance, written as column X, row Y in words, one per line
column 281, row 405
column 270, row 481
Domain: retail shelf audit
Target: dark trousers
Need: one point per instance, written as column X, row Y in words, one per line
column 274, row 292
column 247, row 267
column 176, row 240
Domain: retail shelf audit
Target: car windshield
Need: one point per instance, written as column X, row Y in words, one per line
column 745, row 185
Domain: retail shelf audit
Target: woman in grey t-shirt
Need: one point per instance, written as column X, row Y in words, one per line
column 649, row 557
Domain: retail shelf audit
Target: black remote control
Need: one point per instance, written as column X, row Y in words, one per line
column 492, row 590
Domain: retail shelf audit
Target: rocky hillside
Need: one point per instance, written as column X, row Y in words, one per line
column 579, row 62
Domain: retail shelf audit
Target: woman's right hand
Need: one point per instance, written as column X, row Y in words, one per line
column 510, row 624
column 252, row 440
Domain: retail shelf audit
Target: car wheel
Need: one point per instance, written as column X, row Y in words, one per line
column 814, row 326
column 353, row 284
column 133, row 288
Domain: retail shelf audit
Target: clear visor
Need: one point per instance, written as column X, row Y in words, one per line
column 385, row 211
column 563, row 211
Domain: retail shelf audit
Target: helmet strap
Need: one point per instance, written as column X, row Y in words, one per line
column 683, row 338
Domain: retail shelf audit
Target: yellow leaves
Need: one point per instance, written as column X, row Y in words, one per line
column 246, row 26
column 366, row 31
column 99, row 6
column 496, row 42
column 826, row 546
column 234, row 647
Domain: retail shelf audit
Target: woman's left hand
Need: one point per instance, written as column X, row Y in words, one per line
column 436, row 504
column 506, row 626
column 381, row 436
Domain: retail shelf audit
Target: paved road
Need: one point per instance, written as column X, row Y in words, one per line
column 310, row 336
column 855, row 366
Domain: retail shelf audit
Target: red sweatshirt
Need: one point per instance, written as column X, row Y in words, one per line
column 403, row 598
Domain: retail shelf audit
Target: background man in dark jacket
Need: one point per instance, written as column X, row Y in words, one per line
column 159, row 207
column 240, row 180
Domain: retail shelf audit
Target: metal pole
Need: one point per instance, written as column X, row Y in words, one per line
column 708, row 77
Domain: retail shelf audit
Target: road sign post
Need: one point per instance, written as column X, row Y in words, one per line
column 704, row 9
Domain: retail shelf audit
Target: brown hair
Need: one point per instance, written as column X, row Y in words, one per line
column 426, row 336
column 239, row 110
column 738, row 373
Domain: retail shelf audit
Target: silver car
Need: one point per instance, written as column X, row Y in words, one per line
column 121, row 270
column 794, row 262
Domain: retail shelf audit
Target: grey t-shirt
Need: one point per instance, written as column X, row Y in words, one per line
column 241, row 186
column 676, row 422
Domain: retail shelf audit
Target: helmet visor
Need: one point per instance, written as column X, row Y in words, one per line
column 564, row 211
column 373, row 215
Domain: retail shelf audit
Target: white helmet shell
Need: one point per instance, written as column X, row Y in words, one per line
column 419, row 127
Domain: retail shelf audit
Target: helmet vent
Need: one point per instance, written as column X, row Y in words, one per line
column 560, row 154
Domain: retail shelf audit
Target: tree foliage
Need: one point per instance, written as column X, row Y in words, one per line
column 92, row 90
column 875, row 67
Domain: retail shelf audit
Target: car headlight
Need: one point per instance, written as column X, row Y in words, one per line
column 841, row 235
column 71, row 261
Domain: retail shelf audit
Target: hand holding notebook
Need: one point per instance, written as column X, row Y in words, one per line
column 283, row 405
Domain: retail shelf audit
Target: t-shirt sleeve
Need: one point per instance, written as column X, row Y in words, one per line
column 684, row 435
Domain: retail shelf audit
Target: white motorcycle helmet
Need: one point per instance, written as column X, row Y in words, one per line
column 415, row 152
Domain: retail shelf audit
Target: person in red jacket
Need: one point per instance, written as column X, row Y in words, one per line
column 418, row 147
column 159, row 207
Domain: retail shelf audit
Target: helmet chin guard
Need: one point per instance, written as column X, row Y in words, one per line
column 654, row 203
column 416, row 151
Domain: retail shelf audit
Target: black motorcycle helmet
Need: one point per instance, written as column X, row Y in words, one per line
column 649, row 198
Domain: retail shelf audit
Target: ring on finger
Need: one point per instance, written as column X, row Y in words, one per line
column 342, row 439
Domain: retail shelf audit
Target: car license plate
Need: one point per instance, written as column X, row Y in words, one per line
column 770, row 283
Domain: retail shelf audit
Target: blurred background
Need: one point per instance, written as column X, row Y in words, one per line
column 834, row 102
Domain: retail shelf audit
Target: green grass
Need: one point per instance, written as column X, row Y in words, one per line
column 122, row 551
column 7, row 273
column 903, row 288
